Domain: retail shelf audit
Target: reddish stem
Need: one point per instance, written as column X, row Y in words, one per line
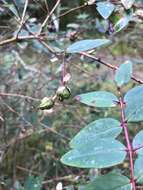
column 130, row 150
column 113, row 67
column 63, row 70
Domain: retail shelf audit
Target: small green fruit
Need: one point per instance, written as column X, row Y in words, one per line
column 63, row 92
column 46, row 103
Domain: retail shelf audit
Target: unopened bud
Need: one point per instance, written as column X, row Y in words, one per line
column 63, row 92
column 46, row 103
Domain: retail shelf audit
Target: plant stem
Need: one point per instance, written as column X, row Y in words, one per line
column 129, row 146
column 113, row 67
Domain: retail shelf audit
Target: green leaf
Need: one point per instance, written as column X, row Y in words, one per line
column 86, row 45
column 138, row 168
column 128, row 3
column 105, row 9
column 124, row 73
column 97, row 130
column 33, row 183
column 122, row 23
column 17, row 185
column 134, row 104
column 110, row 181
column 138, row 142
column 104, row 153
column 20, row 2
column 98, row 99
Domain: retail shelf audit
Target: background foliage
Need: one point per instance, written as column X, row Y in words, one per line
column 32, row 141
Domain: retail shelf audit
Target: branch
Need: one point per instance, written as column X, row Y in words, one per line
column 19, row 95
column 54, row 131
column 109, row 65
column 73, row 9
column 65, row 178
column 48, row 16
column 17, row 38
column 22, row 18
column 27, row 170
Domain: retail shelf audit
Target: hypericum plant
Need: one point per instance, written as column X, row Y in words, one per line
column 96, row 146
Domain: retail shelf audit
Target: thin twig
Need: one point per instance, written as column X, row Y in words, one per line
column 69, row 178
column 22, row 18
column 53, row 131
column 109, row 65
column 16, row 39
column 48, row 16
column 47, row 6
column 18, row 95
column 38, row 2
column 72, row 10
column 27, row 170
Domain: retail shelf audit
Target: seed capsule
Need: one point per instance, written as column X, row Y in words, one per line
column 63, row 92
column 46, row 103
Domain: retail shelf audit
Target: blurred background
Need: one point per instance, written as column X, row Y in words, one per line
column 32, row 141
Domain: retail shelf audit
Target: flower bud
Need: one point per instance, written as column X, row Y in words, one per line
column 46, row 103
column 63, row 92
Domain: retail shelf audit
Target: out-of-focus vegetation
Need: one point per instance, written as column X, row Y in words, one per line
column 32, row 141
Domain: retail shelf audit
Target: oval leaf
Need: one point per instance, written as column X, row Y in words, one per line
column 134, row 104
column 123, row 73
column 112, row 181
column 138, row 142
column 97, row 130
column 105, row 9
column 122, row 23
column 128, row 3
column 33, row 183
column 85, row 45
column 103, row 154
column 138, row 168
column 98, row 99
